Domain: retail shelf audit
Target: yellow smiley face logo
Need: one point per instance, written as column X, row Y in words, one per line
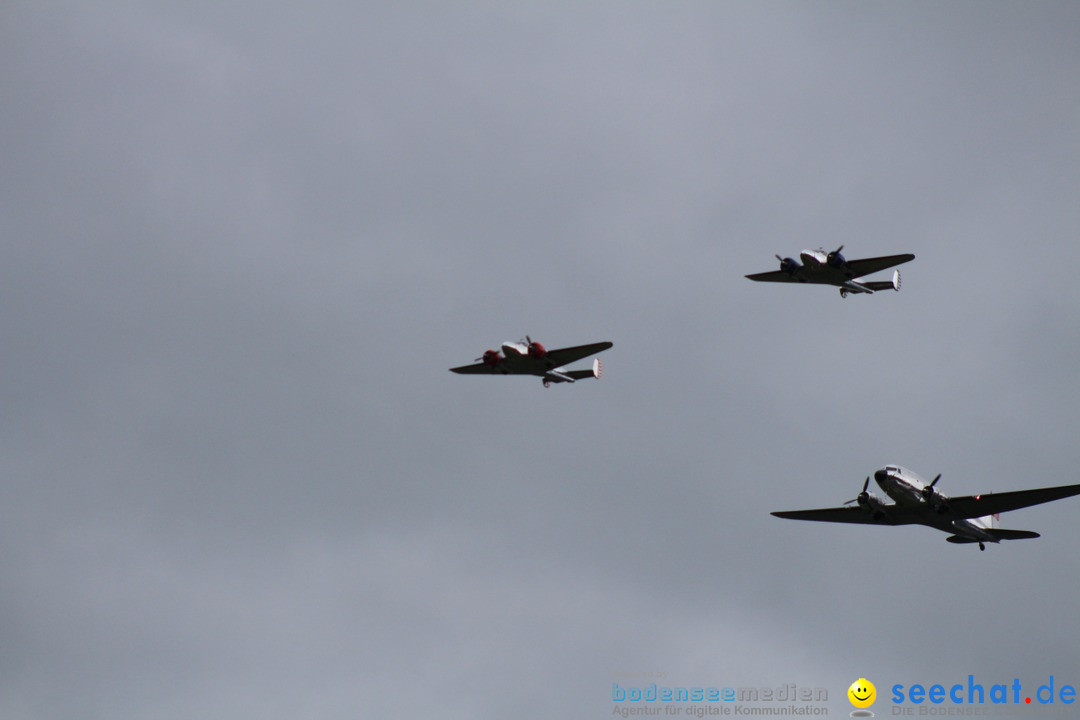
column 862, row 693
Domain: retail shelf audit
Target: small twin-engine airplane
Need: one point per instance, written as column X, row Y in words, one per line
column 821, row 268
column 968, row 519
column 532, row 358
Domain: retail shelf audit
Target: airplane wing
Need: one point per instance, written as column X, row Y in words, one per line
column 992, row 503
column 848, row 514
column 859, row 268
column 565, row 356
column 775, row 276
column 478, row 369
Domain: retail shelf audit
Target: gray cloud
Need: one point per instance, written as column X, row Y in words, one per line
column 242, row 247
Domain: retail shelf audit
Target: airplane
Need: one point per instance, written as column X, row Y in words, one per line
column 822, row 268
column 968, row 519
column 532, row 358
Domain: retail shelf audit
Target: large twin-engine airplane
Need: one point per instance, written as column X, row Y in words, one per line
column 532, row 358
column 822, row 268
column 968, row 519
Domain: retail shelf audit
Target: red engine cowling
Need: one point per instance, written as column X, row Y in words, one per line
column 536, row 350
column 491, row 357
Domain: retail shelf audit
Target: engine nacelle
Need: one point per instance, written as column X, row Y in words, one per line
column 536, row 350
column 492, row 357
column 935, row 499
column 789, row 265
column 835, row 259
column 871, row 505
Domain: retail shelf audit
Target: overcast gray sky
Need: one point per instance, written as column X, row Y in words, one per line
column 243, row 242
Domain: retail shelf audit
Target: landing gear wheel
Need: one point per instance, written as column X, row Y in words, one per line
column 981, row 547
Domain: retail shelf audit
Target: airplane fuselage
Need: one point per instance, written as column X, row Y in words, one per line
column 908, row 490
column 814, row 257
column 516, row 357
column 514, row 349
column 817, row 269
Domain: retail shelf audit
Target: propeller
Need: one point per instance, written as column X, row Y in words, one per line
column 536, row 350
column 928, row 491
column 788, row 265
column 835, row 258
column 863, row 496
column 491, row 357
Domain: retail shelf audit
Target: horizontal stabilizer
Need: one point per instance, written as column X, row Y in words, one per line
column 560, row 376
column 595, row 372
column 998, row 534
column 1013, row 534
column 875, row 285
